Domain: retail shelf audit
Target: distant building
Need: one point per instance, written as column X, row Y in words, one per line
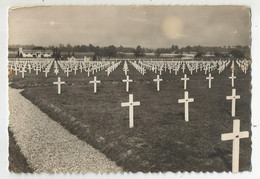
column 35, row 53
column 189, row 54
column 209, row 54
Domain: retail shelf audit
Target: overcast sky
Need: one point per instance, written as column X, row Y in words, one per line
column 148, row 26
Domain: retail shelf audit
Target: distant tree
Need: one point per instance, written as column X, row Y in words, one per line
column 199, row 55
column 158, row 52
column 110, row 51
column 237, row 53
column 94, row 57
column 39, row 48
column 174, row 48
column 138, row 52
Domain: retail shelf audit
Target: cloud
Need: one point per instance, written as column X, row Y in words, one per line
column 172, row 27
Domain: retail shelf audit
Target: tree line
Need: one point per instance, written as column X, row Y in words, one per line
column 112, row 51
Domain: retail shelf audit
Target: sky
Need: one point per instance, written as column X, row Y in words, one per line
column 129, row 26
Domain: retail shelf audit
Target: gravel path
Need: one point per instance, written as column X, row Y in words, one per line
column 49, row 147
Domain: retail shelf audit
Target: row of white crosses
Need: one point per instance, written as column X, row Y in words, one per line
column 243, row 64
column 59, row 83
column 186, row 99
column 138, row 67
column 131, row 102
column 125, row 68
column 23, row 65
column 112, row 68
column 155, row 66
column 191, row 66
column 236, row 135
column 95, row 81
column 94, row 67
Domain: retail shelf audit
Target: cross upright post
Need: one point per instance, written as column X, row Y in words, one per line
column 232, row 79
column 235, row 136
column 186, row 102
column 131, row 105
column 127, row 82
column 158, row 82
column 95, row 83
column 234, row 97
column 185, row 80
column 209, row 78
column 59, row 83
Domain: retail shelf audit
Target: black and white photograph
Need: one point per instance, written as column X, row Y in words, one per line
column 130, row 88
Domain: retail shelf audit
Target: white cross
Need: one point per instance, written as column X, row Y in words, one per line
column 158, row 82
column 209, row 78
column 127, row 83
column 185, row 80
column 233, row 98
column 23, row 71
column 75, row 70
column 15, row 69
column 95, row 83
column 176, row 70
column 29, row 68
column 108, row 71
column 232, row 66
column 56, row 71
column 126, row 70
column 131, row 105
column 155, row 69
column 67, row 71
column 191, row 70
column 183, row 68
column 36, row 70
column 81, row 68
column 235, row 136
column 186, row 100
column 59, row 83
column 160, row 69
column 46, row 72
column 88, row 70
column 232, row 78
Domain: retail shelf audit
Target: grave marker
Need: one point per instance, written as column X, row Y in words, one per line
column 127, row 82
column 234, row 97
column 232, row 78
column 131, row 105
column 158, row 82
column 209, row 78
column 59, row 83
column 186, row 102
column 235, row 136
column 23, row 71
column 185, row 80
column 95, row 83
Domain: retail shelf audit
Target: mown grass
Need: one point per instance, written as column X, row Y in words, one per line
column 161, row 140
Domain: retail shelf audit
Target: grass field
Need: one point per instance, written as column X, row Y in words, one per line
column 161, row 140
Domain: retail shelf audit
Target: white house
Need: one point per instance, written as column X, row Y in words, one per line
column 35, row 53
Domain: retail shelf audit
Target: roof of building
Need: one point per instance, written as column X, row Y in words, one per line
column 37, row 51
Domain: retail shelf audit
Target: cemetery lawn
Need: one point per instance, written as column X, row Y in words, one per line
column 161, row 140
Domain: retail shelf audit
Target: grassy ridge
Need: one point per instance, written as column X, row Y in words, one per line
column 161, row 140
